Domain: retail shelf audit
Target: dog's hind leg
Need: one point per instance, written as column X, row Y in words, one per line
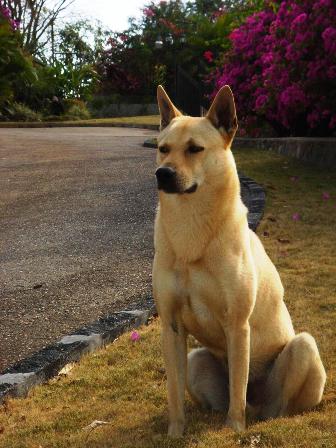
column 207, row 380
column 297, row 379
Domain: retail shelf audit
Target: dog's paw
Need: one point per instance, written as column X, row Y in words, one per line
column 236, row 425
column 175, row 430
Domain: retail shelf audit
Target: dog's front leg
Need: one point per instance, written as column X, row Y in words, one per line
column 238, row 347
column 174, row 344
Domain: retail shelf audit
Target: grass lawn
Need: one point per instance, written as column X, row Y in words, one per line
column 139, row 121
column 123, row 385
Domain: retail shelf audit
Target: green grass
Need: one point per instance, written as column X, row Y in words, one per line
column 125, row 385
column 138, row 121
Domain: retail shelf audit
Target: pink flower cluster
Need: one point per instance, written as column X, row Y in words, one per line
column 6, row 14
column 149, row 12
column 282, row 68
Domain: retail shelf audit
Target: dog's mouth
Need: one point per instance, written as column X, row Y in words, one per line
column 171, row 189
column 191, row 189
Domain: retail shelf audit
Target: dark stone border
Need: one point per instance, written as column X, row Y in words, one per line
column 256, row 201
column 256, row 194
column 150, row 143
column 16, row 380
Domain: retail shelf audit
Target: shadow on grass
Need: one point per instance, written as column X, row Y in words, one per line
column 203, row 427
column 152, row 433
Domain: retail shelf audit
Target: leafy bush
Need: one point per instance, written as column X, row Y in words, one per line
column 75, row 110
column 21, row 112
column 282, row 68
column 15, row 66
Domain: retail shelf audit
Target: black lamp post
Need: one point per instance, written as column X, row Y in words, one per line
column 170, row 41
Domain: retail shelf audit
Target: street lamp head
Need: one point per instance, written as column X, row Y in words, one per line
column 158, row 43
column 170, row 39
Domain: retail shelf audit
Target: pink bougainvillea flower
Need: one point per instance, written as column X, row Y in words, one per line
column 296, row 217
column 261, row 101
column 135, row 336
column 148, row 12
column 329, row 38
column 325, row 196
column 208, row 56
column 332, row 123
column 290, row 53
column 123, row 37
column 294, row 178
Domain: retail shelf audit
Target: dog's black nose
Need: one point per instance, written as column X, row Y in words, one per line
column 165, row 174
column 166, row 179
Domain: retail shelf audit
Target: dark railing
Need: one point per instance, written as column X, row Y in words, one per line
column 189, row 96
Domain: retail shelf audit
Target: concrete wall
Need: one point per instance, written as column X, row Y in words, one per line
column 320, row 152
column 127, row 110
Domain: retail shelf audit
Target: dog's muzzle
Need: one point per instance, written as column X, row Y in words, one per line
column 167, row 181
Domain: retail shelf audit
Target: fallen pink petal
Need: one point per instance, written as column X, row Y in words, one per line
column 135, row 336
column 296, row 217
column 325, row 196
column 283, row 254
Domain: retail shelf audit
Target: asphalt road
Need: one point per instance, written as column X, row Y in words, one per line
column 76, row 222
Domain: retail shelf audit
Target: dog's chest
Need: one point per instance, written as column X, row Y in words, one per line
column 199, row 293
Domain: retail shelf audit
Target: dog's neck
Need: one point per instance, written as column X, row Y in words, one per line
column 191, row 221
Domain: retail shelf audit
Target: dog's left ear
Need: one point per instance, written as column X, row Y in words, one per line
column 222, row 114
column 167, row 109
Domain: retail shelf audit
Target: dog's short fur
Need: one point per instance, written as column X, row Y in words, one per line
column 213, row 279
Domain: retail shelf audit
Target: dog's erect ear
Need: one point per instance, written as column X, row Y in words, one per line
column 167, row 109
column 222, row 113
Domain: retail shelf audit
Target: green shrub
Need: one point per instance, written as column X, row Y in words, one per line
column 15, row 66
column 21, row 112
column 75, row 109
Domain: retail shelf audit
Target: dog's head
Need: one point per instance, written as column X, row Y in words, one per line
column 193, row 151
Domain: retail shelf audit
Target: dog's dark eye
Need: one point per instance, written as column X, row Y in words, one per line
column 193, row 149
column 163, row 149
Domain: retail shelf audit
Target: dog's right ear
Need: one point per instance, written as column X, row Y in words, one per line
column 167, row 109
column 222, row 114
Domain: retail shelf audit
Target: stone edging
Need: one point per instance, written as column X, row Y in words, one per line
column 16, row 380
column 256, row 204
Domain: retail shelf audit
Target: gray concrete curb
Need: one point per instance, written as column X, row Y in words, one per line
column 16, row 380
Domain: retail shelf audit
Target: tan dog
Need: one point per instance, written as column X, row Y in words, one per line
column 213, row 279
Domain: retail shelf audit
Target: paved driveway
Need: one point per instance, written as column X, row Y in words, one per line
column 76, row 219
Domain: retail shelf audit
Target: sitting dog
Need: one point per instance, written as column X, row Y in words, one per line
column 213, row 279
